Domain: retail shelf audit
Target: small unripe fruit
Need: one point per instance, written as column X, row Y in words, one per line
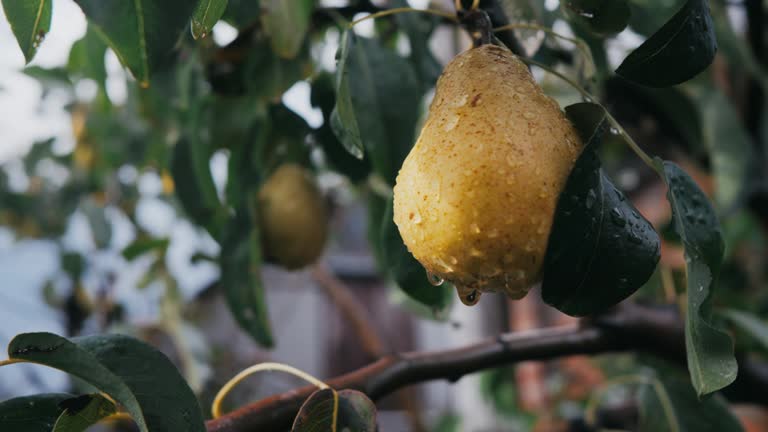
column 293, row 218
column 476, row 196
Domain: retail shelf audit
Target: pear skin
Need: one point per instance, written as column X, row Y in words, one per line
column 475, row 198
column 293, row 217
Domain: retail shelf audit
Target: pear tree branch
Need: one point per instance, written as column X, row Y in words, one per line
column 630, row 327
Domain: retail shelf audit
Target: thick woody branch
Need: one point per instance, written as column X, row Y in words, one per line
column 642, row 329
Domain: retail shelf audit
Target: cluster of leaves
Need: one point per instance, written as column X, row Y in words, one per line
column 192, row 98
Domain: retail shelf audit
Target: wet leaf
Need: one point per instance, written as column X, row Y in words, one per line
column 711, row 362
column 601, row 249
column 119, row 366
column 677, row 52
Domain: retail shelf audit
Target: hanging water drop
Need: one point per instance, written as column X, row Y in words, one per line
column 434, row 279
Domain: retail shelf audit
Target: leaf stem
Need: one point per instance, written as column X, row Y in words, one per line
column 591, row 98
column 268, row 366
column 394, row 11
column 10, row 362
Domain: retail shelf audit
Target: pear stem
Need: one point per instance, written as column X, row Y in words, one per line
column 478, row 25
column 591, row 98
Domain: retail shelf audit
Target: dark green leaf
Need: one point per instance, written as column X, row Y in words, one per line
column 377, row 104
column 82, row 412
column 143, row 34
column 343, row 118
column 339, row 159
column 249, row 66
column 30, row 21
column 36, row 413
column 241, row 13
column 406, row 271
column 647, row 16
column 671, row 405
column 601, row 249
column 346, row 410
column 602, row 17
column 134, row 374
column 750, row 324
column 86, row 58
column 49, row 77
column 194, row 184
column 286, row 23
column 682, row 48
column 144, row 245
column 419, row 28
column 729, row 146
column 286, row 140
column 710, row 350
column 207, row 14
column 241, row 275
column 73, row 264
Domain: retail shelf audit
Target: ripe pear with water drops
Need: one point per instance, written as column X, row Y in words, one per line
column 475, row 198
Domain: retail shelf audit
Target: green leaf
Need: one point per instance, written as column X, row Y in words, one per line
column 677, row 52
column 406, row 270
column 194, row 184
column 50, row 77
column 709, row 349
column 332, row 411
column 144, row 245
column 249, row 66
column 601, row 249
column 36, row 413
column 86, row 58
column 241, row 13
column 601, row 17
column 343, row 118
column 30, row 22
column 241, row 276
column 729, row 146
column 377, row 104
column 135, row 375
column 323, row 97
column 750, row 324
column 143, row 34
column 82, row 412
column 419, row 28
column 207, row 14
column 671, row 405
column 286, row 23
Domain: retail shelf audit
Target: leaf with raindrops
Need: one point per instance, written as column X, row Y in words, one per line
column 709, row 349
column 601, row 249
column 118, row 366
column 678, row 51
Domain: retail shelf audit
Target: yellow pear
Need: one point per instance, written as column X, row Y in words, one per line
column 475, row 198
column 293, row 217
